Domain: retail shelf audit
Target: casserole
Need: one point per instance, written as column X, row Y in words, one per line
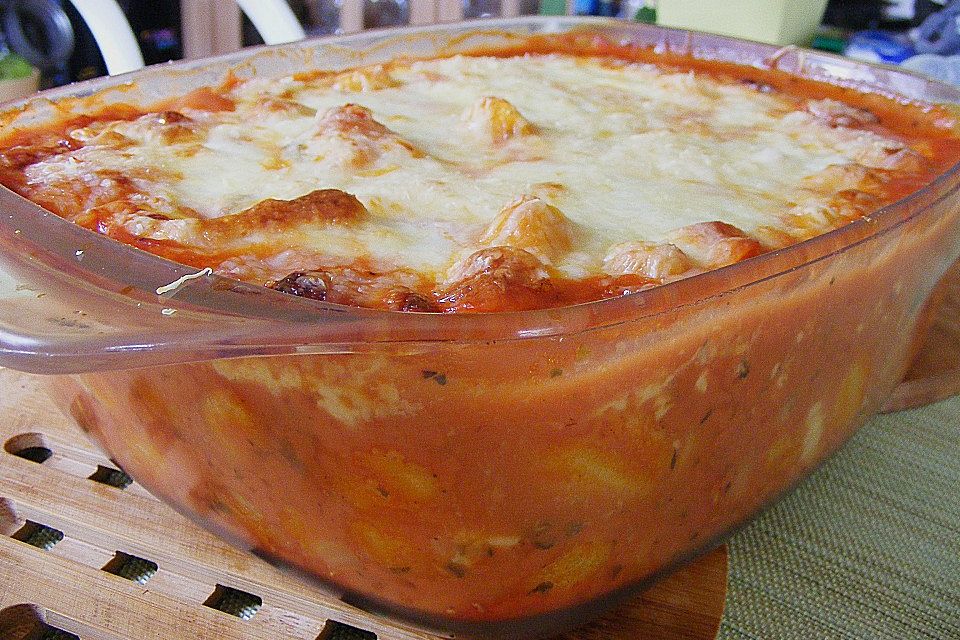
column 503, row 473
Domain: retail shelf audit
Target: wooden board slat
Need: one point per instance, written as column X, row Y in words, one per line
column 935, row 373
column 69, row 585
column 65, row 586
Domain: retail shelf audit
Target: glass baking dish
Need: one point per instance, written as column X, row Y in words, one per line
column 494, row 474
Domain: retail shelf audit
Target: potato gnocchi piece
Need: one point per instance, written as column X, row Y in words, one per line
column 651, row 260
column 580, row 563
column 716, row 244
column 365, row 79
column 850, row 398
column 838, row 177
column 592, row 470
column 323, row 206
column 816, row 216
column 531, row 224
column 275, row 104
column 472, row 547
column 495, row 278
column 497, row 119
column 399, row 477
column 368, row 138
column 391, row 552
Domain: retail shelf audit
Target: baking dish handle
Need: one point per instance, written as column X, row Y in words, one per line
column 71, row 301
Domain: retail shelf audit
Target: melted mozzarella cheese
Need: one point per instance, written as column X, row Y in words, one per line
column 627, row 152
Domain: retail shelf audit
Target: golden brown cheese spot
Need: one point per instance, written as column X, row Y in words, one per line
column 496, row 278
column 649, row 259
column 164, row 118
column 368, row 138
column 547, row 190
column 322, row 205
column 103, row 135
column 366, row 79
column 353, row 119
column 173, row 127
column 716, row 244
column 822, row 214
column 202, row 99
column 275, row 104
column 38, row 147
column 530, row 223
column 837, row 177
column 498, row 118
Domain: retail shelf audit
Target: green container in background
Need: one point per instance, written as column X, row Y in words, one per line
column 775, row 21
column 553, row 7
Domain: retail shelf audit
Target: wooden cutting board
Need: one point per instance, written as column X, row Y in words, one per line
column 935, row 373
column 66, row 529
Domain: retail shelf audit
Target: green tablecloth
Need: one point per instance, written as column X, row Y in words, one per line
column 868, row 547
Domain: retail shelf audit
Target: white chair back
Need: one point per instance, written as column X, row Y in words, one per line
column 273, row 19
column 113, row 34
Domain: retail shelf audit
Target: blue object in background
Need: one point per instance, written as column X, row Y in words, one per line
column 879, row 46
column 938, row 43
column 946, row 68
column 608, row 8
column 940, row 32
column 586, row 7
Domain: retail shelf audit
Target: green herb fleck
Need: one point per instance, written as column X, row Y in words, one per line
column 543, row 587
column 743, row 369
column 436, row 376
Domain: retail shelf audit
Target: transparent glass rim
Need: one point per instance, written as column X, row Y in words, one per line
column 279, row 319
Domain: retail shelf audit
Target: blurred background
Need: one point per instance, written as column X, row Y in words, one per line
column 50, row 42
